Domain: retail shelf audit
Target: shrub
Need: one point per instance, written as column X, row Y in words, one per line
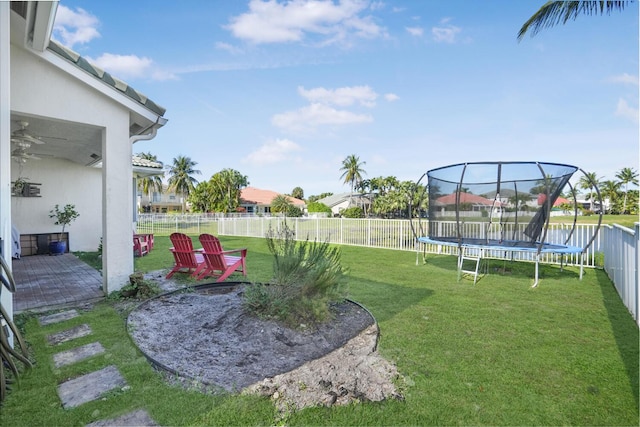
column 353, row 212
column 307, row 276
column 318, row 207
column 293, row 212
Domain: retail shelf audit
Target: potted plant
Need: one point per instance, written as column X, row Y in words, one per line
column 18, row 186
column 62, row 217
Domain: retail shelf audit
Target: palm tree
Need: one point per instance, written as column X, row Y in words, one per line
column 280, row 204
column 149, row 184
column 611, row 191
column 181, row 178
column 352, row 172
column 627, row 176
column 298, row 193
column 555, row 12
column 588, row 182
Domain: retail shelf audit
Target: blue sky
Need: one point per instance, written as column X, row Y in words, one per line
column 283, row 91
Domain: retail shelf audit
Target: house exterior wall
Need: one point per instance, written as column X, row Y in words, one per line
column 62, row 182
column 336, row 209
column 39, row 88
column 165, row 202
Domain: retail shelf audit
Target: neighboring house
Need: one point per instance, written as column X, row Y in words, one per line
column 256, row 201
column 68, row 126
column 342, row 201
column 156, row 202
column 475, row 202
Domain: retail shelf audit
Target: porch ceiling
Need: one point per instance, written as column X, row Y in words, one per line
column 77, row 142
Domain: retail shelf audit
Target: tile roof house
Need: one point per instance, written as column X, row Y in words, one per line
column 81, row 123
column 257, row 201
column 342, row 201
column 477, row 202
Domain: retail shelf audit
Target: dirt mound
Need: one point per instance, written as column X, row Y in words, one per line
column 206, row 336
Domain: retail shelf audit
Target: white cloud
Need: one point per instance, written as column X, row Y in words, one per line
column 391, row 97
column 273, row 151
column 343, row 96
column 317, row 114
column 234, row 50
column 445, row 33
column 623, row 109
column 271, row 21
column 625, row 79
column 124, row 66
column 75, row 27
column 415, row 31
column 130, row 67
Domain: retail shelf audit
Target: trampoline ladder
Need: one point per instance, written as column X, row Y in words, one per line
column 472, row 255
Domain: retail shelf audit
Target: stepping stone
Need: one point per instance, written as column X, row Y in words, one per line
column 135, row 418
column 77, row 354
column 57, row 317
column 89, row 387
column 70, row 334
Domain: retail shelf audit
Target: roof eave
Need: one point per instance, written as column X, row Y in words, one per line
column 101, row 86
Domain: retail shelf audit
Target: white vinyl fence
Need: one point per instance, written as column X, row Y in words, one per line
column 614, row 247
column 620, row 245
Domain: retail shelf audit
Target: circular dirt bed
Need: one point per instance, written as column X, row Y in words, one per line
column 206, row 336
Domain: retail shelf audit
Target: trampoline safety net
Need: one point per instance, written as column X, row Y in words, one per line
column 500, row 201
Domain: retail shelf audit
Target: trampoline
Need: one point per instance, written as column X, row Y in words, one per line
column 484, row 208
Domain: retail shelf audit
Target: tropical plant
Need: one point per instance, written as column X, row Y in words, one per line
column 226, row 187
column 201, row 197
column 352, row 172
column 627, row 176
column 298, row 193
column 293, row 212
column 611, row 190
column 318, row 207
column 64, row 216
column 589, row 181
column 315, row 198
column 352, row 212
column 556, row 12
column 307, row 277
column 280, row 204
column 181, row 178
column 149, row 184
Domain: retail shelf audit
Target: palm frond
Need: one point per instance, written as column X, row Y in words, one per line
column 559, row 12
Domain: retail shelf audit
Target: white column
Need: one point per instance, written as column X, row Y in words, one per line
column 117, row 234
column 5, row 144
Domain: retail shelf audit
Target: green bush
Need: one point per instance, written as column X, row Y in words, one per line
column 307, row 276
column 353, row 212
column 318, row 207
column 293, row 212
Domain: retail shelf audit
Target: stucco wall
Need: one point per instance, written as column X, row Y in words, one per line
column 62, row 182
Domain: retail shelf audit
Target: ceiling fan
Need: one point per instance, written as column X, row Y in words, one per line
column 22, row 135
column 21, row 155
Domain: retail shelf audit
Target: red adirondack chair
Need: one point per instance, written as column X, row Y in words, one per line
column 221, row 263
column 186, row 256
column 140, row 246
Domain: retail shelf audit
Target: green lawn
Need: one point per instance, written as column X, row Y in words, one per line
column 624, row 220
column 497, row 353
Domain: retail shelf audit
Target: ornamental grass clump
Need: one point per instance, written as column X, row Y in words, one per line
column 307, row 277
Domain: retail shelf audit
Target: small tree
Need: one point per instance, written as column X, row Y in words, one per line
column 280, row 204
column 63, row 217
